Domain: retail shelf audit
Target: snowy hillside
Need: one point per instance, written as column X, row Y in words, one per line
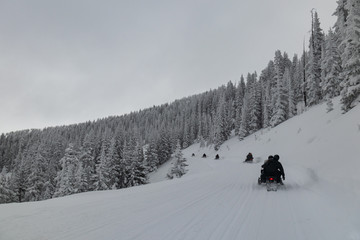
column 220, row 199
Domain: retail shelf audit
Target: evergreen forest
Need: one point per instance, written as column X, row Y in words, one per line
column 120, row 151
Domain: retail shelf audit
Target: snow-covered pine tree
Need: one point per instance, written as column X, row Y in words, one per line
column 340, row 25
column 109, row 167
column 164, row 146
column 314, row 63
column 140, row 170
column 116, row 164
column 151, row 157
column 222, row 124
column 288, row 81
column 19, row 176
column 103, row 168
column 298, row 83
column 66, row 178
column 178, row 169
column 87, row 170
column 251, row 119
column 266, row 77
column 279, row 69
column 135, row 169
column 245, row 115
column 187, row 141
column 279, row 104
column 200, row 120
column 239, row 99
column 37, row 176
column 350, row 95
column 5, row 190
column 254, row 101
column 330, row 69
column 266, row 104
column 230, row 94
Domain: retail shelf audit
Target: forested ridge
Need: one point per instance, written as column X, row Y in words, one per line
column 118, row 152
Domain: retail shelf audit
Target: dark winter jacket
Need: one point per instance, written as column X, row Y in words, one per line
column 273, row 168
column 249, row 157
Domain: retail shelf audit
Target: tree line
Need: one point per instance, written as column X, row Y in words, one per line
column 119, row 152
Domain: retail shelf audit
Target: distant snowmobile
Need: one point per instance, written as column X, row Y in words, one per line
column 249, row 158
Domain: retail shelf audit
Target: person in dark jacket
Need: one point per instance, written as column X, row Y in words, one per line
column 249, row 158
column 272, row 167
column 262, row 175
column 217, row 156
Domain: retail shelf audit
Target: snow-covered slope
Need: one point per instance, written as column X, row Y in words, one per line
column 220, row 199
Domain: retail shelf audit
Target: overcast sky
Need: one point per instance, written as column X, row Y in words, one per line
column 71, row 61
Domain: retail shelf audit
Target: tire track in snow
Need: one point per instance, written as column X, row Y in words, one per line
column 195, row 204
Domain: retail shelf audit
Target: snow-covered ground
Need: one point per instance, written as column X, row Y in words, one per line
column 220, row 199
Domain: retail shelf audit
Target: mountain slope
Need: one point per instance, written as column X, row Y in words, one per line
column 220, row 199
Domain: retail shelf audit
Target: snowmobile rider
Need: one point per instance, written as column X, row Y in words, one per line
column 249, row 158
column 262, row 175
column 272, row 167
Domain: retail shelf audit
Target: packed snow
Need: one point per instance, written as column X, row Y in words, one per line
column 220, row 199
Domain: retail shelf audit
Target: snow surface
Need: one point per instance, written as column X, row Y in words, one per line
column 220, row 199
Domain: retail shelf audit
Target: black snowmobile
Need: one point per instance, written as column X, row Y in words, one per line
column 269, row 182
column 271, row 173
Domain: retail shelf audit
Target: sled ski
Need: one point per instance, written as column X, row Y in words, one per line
column 271, row 186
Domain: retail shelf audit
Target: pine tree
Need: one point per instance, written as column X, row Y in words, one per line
column 86, row 173
column 187, row 141
column 164, row 146
column 281, row 105
column 255, row 113
column 331, row 70
column 314, row 64
column 108, row 168
column 151, row 156
column 5, row 191
column 244, row 126
column 37, row 176
column 279, row 68
column 239, row 99
column 351, row 56
column 342, row 13
column 178, row 169
column 66, row 178
column 267, row 76
column 222, row 124
column 135, row 169
column 19, row 178
column 298, row 79
column 289, row 93
column 267, row 105
column 329, row 104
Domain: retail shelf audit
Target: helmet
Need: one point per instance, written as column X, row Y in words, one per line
column 276, row 157
column 270, row 157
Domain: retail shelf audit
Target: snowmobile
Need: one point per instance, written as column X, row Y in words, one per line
column 270, row 183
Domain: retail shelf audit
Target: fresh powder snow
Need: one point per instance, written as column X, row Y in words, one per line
column 220, row 199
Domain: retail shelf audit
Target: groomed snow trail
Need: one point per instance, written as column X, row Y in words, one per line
column 221, row 203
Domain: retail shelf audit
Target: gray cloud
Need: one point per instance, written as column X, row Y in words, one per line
column 67, row 61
